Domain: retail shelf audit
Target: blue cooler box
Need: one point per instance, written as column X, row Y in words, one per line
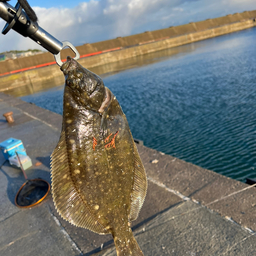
column 10, row 146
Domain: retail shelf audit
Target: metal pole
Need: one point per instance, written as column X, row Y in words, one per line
column 25, row 175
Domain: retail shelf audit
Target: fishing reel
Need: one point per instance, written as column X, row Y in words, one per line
column 18, row 20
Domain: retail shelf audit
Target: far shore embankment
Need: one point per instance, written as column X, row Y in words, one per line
column 38, row 71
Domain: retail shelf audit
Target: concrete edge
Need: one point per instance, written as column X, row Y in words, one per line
column 234, row 200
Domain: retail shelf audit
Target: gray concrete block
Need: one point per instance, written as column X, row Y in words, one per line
column 190, row 229
column 167, row 225
column 34, row 232
column 211, row 189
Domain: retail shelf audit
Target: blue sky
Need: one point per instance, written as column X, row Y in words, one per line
column 90, row 21
column 52, row 3
column 57, row 3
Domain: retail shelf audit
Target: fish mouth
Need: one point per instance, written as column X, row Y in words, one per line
column 69, row 65
column 78, row 76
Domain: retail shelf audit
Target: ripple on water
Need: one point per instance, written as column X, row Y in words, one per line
column 199, row 106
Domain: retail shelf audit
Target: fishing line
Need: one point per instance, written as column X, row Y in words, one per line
column 234, row 193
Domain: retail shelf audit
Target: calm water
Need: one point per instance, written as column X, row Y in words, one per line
column 199, row 105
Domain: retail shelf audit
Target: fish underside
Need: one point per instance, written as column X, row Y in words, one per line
column 98, row 179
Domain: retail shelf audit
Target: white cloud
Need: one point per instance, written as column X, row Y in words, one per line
column 105, row 19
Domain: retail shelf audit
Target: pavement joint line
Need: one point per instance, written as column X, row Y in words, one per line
column 38, row 119
column 62, row 229
column 185, row 198
column 16, row 240
column 234, row 193
column 8, row 217
column 173, row 217
column 71, row 241
column 249, row 230
column 252, row 232
column 177, row 193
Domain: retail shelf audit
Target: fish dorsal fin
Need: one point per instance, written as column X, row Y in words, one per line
column 139, row 186
column 67, row 199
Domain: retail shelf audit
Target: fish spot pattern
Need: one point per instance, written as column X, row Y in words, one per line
column 98, row 180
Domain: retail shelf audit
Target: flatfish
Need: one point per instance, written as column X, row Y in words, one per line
column 98, row 180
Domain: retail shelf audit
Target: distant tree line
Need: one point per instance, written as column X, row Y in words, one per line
column 16, row 51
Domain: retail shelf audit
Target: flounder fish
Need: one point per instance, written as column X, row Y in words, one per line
column 98, row 179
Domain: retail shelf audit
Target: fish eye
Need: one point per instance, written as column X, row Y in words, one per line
column 71, row 83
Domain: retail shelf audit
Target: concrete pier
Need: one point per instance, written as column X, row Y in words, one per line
column 188, row 210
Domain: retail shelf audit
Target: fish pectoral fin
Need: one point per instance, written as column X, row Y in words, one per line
column 67, row 199
column 139, row 190
column 108, row 98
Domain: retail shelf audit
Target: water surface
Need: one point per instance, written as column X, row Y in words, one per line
column 198, row 104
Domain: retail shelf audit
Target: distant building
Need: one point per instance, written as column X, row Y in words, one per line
column 24, row 54
column 10, row 55
column 28, row 53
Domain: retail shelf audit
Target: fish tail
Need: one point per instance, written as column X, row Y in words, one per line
column 127, row 246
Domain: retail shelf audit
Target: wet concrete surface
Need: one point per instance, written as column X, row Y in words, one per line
column 188, row 210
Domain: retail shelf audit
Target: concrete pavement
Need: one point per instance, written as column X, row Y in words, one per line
column 188, row 210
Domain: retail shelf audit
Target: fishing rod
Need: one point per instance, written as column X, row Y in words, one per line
column 25, row 23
